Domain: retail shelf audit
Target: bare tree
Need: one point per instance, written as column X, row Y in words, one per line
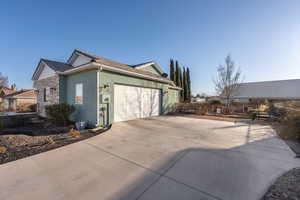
column 228, row 80
column 3, row 80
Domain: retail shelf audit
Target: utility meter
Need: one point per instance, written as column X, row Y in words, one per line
column 105, row 98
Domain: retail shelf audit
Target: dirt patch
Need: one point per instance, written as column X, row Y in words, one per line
column 286, row 187
column 22, row 145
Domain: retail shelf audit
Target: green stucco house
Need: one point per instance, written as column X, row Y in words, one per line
column 104, row 91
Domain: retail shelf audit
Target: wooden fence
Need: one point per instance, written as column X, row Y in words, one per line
column 13, row 121
column 207, row 108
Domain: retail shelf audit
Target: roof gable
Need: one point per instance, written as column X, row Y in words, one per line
column 46, row 72
column 47, row 68
column 78, row 58
column 152, row 67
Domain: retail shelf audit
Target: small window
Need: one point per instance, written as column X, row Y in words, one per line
column 52, row 90
column 78, row 93
column 45, row 94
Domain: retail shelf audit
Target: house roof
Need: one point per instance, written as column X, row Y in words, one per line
column 65, row 67
column 111, row 63
column 57, row 66
column 151, row 63
column 6, row 90
column 279, row 89
column 27, row 93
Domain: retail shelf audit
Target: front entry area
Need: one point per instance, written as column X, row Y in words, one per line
column 135, row 102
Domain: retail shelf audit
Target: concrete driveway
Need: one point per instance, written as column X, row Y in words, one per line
column 160, row 158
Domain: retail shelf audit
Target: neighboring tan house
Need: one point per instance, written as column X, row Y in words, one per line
column 268, row 91
column 5, row 91
column 104, row 91
column 19, row 100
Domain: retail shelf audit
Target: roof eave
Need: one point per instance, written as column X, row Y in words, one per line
column 33, row 78
column 94, row 65
column 175, row 88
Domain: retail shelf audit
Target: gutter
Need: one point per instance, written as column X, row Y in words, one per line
column 94, row 65
column 174, row 87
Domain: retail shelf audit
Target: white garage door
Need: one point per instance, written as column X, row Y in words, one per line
column 135, row 102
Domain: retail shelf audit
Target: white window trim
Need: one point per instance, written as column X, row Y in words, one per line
column 76, row 95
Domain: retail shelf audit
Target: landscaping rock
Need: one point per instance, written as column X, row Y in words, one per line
column 16, row 146
column 287, row 187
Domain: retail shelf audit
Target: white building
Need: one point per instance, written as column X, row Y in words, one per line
column 269, row 91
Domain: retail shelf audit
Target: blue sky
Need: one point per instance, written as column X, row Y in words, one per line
column 263, row 37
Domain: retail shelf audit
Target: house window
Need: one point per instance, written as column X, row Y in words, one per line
column 45, row 94
column 78, row 93
column 52, row 90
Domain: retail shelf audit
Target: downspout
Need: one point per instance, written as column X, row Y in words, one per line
column 98, row 96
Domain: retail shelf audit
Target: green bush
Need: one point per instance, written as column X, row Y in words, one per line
column 1, row 124
column 290, row 123
column 32, row 107
column 59, row 113
column 214, row 102
column 287, row 114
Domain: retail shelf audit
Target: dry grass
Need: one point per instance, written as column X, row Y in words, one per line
column 3, row 149
column 288, row 126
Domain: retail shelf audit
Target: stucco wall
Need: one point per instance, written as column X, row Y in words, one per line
column 173, row 98
column 108, row 79
column 88, row 110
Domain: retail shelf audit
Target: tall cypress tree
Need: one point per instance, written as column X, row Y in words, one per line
column 185, row 85
column 188, row 80
column 172, row 72
column 177, row 74
column 180, row 77
column 181, row 85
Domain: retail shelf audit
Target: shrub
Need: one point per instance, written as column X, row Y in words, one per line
column 1, row 124
column 32, row 107
column 288, row 115
column 59, row 113
column 276, row 112
column 290, row 123
column 214, row 102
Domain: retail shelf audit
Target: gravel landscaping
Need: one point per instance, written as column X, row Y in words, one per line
column 23, row 142
column 287, row 187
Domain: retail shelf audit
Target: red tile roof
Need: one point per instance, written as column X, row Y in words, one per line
column 22, row 93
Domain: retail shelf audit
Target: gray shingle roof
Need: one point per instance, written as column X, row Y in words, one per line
column 61, row 67
column 57, row 66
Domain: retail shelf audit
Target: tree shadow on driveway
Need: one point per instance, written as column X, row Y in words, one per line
column 243, row 172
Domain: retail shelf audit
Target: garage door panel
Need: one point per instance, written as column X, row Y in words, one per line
column 135, row 102
column 150, row 102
